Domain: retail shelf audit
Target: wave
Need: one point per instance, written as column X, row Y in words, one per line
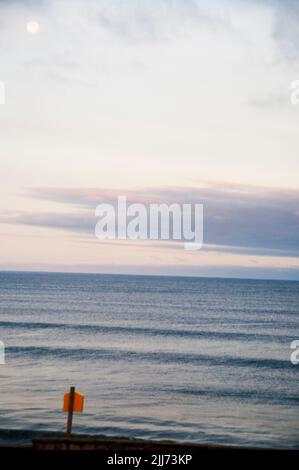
column 91, row 328
column 262, row 396
column 24, row 435
column 160, row 357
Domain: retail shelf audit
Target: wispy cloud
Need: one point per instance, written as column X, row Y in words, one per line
column 286, row 28
column 237, row 218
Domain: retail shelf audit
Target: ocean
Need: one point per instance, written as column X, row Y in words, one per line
column 190, row 359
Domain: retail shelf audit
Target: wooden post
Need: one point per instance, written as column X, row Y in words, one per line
column 70, row 412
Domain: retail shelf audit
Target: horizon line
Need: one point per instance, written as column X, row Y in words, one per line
column 232, row 278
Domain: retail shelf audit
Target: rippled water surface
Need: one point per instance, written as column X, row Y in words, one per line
column 204, row 360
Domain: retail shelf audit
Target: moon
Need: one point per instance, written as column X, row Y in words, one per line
column 32, row 27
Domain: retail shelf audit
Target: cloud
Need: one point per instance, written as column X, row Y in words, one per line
column 80, row 222
column 286, row 29
column 237, row 218
column 274, row 101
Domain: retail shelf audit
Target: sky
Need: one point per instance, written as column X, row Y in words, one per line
column 168, row 101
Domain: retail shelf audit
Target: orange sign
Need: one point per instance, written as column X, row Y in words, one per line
column 78, row 402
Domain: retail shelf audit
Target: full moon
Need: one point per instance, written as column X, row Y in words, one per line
column 32, row 27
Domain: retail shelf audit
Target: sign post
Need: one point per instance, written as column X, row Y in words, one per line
column 72, row 402
column 70, row 412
